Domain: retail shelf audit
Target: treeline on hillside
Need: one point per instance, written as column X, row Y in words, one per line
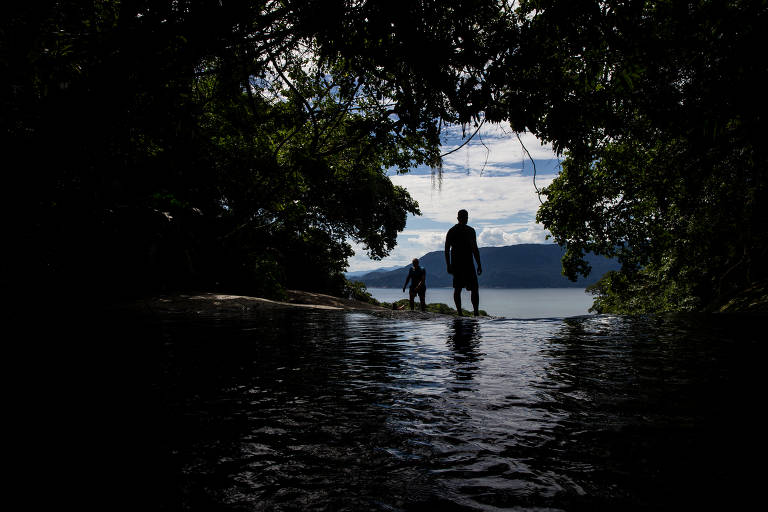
column 514, row 266
column 242, row 145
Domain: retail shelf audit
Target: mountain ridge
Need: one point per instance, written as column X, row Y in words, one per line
column 512, row 266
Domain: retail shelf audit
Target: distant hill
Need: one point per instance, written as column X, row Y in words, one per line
column 358, row 273
column 513, row 266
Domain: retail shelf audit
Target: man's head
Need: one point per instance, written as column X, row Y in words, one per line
column 463, row 216
column 415, row 262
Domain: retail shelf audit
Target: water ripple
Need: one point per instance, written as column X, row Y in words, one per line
column 331, row 411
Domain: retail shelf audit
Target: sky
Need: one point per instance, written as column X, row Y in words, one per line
column 491, row 177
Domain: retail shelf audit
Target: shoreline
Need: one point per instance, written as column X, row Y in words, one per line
column 229, row 305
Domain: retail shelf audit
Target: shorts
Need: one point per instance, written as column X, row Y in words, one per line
column 421, row 292
column 465, row 277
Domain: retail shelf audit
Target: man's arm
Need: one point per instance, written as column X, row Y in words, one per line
column 448, row 255
column 476, row 253
column 407, row 279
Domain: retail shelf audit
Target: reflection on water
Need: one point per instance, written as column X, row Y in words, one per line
column 464, row 341
column 331, row 411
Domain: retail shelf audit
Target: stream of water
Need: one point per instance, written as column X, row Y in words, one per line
column 307, row 410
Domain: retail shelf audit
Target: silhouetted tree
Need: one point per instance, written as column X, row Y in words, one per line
column 197, row 142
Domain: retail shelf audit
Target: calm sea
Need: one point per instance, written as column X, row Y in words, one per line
column 507, row 302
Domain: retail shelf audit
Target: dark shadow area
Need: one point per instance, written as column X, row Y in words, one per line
column 115, row 411
column 84, row 408
column 660, row 412
column 139, row 412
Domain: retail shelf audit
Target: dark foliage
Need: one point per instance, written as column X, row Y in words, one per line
column 201, row 144
column 242, row 144
column 665, row 164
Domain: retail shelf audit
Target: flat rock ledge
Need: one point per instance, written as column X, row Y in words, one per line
column 224, row 305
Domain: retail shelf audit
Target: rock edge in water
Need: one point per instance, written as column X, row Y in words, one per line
column 219, row 304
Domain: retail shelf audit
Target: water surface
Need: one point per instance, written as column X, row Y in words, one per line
column 311, row 410
column 507, row 302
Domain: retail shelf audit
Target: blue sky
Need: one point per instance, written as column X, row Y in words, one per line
column 491, row 177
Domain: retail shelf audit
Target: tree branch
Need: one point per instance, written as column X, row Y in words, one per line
column 310, row 111
column 466, row 141
column 538, row 192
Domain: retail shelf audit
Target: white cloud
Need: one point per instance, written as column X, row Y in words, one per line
column 410, row 244
column 497, row 237
column 495, row 148
column 501, row 201
column 487, row 198
column 493, row 237
column 431, row 240
column 399, row 256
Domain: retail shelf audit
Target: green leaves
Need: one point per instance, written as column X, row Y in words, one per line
column 659, row 169
column 267, row 126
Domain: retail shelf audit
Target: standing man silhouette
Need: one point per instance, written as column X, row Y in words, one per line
column 460, row 247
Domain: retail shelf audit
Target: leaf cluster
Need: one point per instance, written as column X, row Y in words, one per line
column 245, row 143
column 664, row 163
column 200, row 143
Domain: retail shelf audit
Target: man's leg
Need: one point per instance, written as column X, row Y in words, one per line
column 475, row 297
column 457, row 299
column 411, row 296
column 423, row 300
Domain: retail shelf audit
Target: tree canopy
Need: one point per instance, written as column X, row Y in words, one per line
column 241, row 144
column 195, row 143
column 667, row 170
